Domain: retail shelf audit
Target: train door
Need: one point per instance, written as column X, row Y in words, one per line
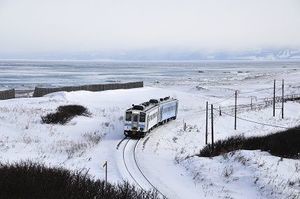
column 135, row 121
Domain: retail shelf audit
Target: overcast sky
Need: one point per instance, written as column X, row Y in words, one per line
column 91, row 25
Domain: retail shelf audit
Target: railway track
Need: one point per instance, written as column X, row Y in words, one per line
column 136, row 164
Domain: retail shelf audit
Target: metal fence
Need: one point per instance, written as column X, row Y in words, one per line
column 39, row 92
column 294, row 97
column 7, row 94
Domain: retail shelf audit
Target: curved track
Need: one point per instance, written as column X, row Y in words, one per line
column 126, row 166
column 135, row 179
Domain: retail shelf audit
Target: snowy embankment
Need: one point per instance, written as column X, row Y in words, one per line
column 244, row 174
column 87, row 142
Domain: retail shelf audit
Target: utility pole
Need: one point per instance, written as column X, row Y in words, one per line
column 235, row 110
column 212, row 127
column 274, row 93
column 206, row 127
column 282, row 100
column 105, row 165
column 220, row 112
column 251, row 105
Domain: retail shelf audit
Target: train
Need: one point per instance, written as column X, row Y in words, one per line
column 142, row 118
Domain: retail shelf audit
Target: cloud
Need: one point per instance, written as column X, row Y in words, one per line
column 91, row 25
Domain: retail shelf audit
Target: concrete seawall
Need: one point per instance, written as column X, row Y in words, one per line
column 7, row 94
column 39, row 92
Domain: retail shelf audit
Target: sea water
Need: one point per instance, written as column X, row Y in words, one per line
column 25, row 75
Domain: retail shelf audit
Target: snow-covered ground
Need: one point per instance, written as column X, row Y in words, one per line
column 167, row 155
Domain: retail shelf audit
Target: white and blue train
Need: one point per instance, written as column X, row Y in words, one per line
column 141, row 119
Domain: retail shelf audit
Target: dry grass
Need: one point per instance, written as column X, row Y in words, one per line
column 283, row 144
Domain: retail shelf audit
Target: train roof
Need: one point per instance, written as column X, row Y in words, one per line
column 150, row 104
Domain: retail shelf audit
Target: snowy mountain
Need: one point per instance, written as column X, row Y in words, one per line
column 175, row 54
column 280, row 54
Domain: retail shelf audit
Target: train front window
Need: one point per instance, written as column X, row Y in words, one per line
column 128, row 116
column 135, row 118
column 142, row 117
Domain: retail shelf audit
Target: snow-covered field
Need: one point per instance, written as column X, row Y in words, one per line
column 167, row 155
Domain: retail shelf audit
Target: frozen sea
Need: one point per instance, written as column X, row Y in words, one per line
column 25, row 75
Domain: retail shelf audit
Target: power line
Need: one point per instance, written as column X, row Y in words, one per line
column 256, row 91
column 261, row 123
column 228, row 98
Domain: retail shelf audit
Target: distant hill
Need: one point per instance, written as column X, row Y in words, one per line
column 164, row 54
column 279, row 54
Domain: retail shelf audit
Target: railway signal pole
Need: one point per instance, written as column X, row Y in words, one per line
column 105, row 166
column 274, row 93
column 282, row 100
column 212, row 127
column 235, row 109
column 206, row 126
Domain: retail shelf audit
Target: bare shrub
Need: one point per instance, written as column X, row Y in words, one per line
column 93, row 138
column 227, row 172
column 70, row 147
column 283, row 144
column 175, row 139
column 225, row 156
column 241, row 159
column 297, row 167
column 28, row 140
column 33, row 180
column 76, row 148
column 64, row 114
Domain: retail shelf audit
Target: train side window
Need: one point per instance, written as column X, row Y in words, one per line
column 128, row 116
column 142, row 117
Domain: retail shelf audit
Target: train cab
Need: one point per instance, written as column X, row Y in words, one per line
column 135, row 122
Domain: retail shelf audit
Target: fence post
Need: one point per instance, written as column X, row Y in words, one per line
column 235, row 109
column 105, row 165
column 282, row 106
column 274, row 93
column 206, row 126
column 212, row 127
